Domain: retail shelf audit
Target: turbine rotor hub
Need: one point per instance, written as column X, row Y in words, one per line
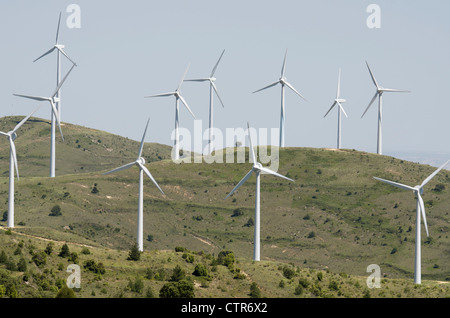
column 12, row 135
column 141, row 160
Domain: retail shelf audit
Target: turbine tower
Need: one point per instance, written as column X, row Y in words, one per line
column 178, row 97
column 379, row 92
column 59, row 48
column 420, row 209
column 52, row 100
column 140, row 162
column 338, row 101
column 257, row 169
column 212, row 87
column 11, row 135
column 283, row 81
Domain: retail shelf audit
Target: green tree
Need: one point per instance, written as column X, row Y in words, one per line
column 49, row 249
column 200, row 270
column 134, row 254
column 55, row 211
column 65, row 292
column 255, row 292
column 39, row 258
column 169, row 290
column 22, row 265
column 177, row 274
column 65, row 252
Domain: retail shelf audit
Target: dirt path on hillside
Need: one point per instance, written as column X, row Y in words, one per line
column 44, row 238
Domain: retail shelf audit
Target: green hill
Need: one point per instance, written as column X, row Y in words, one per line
column 335, row 218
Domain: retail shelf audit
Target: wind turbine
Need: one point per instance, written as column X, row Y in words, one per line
column 11, row 135
column 52, row 100
column 379, row 92
column 140, row 162
column 178, row 97
column 420, row 209
column 338, row 101
column 212, row 87
column 59, row 48
column 283, row 82
column 257, row 169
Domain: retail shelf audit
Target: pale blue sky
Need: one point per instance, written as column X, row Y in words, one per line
column 129, row 49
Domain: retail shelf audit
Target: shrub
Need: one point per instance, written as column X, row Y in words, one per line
column 134, row 254
column 255, row 292
column 92, row 266
column 65, row 252
column 288, row 272
column 49, row 249
column 137, row 286
column 177, row 274
column 200, row 270
column 226, row 258
column 319, row 276
column 55, row 211
column 39, row 258
column 65, row 292
column 181, row 289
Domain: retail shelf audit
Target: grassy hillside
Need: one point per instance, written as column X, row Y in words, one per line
column 84, row 150
column 334, row 218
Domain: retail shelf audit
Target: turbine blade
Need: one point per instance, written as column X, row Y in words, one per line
column 330, row 109
column 128, row 165
column 371, row 75
column 62, row 81
column 3, row 133
column 395, row 184
column 370, row 104
column 251, row 145
column 274, row 173
column 161, row 95
column 245, row 178
column 197, row 80
column 46, row 53
column 215, row 67
column 150, row 176
column 142, row 142
column 13, row 150
column 422, row 209
column 24, row 120
column 433, row 174
column 217, row 93
column 55, row 113
column 342, row 108
column 38, row 98
column 339, row 85
column 283, row 69
column 184, row 75
column 273, row 84
column 64, row 53
column 295, row 91
column 395, row 90
column 185, row 104
column 57, row 30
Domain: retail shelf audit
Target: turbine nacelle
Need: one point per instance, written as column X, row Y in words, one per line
column 418, row 189
column 257, row 166
column 12, row 135
column 141, row 161
column 340, row 100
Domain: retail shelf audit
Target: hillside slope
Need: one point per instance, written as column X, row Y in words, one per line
column 335, row 216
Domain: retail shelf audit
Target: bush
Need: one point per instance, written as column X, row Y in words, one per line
column 177, row 274
column 49, row 249
column 288, row 272
column 200, row 270
column 65, row 252
column 226, row 258
column 92, row 266
column 66, row 292
column 137, row 286
column 181, row 289
column 39, row 258
column 255, row 292
column 134, row 254
column 319, row 276
column 55, row 211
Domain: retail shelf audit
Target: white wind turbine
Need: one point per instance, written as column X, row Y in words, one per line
column 59, row 48
column 140, row 162
column 283, row 82
column 257, row 169
column 11, row 135
column 420, row 209
column 52, row 100
column 338, row 101
column 212, row 87
column 379, row 93
column 178, row 97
